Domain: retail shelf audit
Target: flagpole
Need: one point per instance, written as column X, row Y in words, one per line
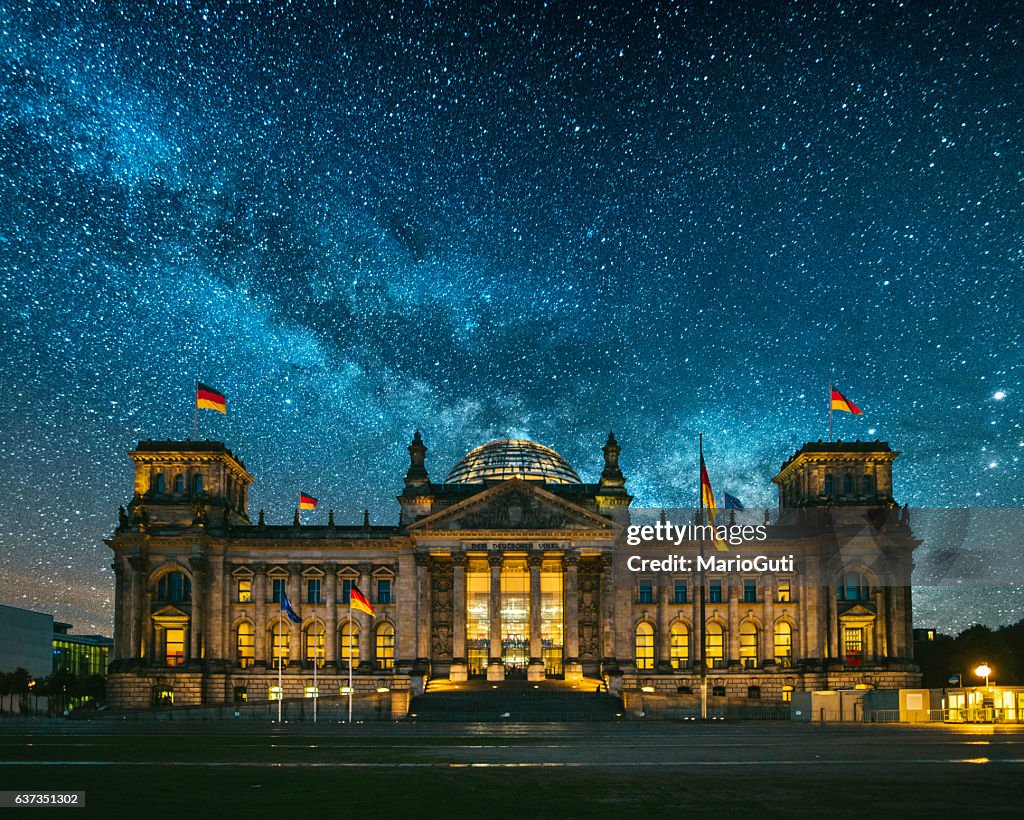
column 195, row 412
column 830, row 412
column 280, row 658
column 702, row 607
column 316, row 661
column 350, row 657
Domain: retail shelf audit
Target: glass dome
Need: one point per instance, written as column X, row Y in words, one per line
column 513, row 458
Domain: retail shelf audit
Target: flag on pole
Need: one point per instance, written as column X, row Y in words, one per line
column 357, row 600
column 287, row 609
column 306, row 502
column 731, row 502
column 840, row 402
column 209, row 399
column 707, row 498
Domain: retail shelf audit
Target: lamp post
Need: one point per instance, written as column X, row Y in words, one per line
column 983, row 671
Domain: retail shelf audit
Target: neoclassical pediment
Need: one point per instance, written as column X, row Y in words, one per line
column 514, row 505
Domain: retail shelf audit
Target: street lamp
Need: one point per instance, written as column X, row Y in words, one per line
column 983, row 671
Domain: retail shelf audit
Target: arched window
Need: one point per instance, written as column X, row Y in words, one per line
column 245, row 643
column 854, row 587
column 197, row 484
column 279, row 636
column 159, row 484
column 314, row 644
column 384, row 646
column 714, row 645
column 748, row 645
column 828, row 483
column 783, row 644
column 866, row 486
column 174, row 587
column 348, row 642
column 847, row 484
column 644, row 646
column 680, row 646
column 179, row 483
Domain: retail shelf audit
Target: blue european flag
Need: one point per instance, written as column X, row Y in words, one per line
column 732, row 502
column 286, row 608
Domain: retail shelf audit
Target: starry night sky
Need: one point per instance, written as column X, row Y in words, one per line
column 541, row 220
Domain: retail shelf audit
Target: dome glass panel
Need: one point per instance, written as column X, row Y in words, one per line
column 513, row 458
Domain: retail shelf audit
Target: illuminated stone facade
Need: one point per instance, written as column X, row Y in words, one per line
column 513, row 567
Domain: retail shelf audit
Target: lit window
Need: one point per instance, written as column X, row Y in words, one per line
column 312, row 691
column 853, row 645
column 241, row 694
column 163, row 696
column 784, row 593
column 279, row 644
column 244, row 590
column 715, row 592
column 680, row 593
column 748, row 645
column 384, row 650
column 246, row 644
column 680, row 646
column 783, row 644
column 315, row 643
column 644, row 646
column 787, row 694
column 278, row 590
column 275, row 693
column 384, row 591
column 749, row 591
column 174, row 646
column 313, row 591
column 646, row 595
column 714, row 646
column 348, row 646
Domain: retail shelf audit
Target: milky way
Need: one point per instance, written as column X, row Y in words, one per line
column 524, row 219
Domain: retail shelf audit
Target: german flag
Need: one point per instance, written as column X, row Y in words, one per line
column 357, row 600
column 209, row 399
column 840, row 402
column 306, row 502
column 707, row 499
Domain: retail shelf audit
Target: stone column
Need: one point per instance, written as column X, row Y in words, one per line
column 459, row 670
column 295, row 647
column 767, row 649
column 609, row 649
column 495, row 665
column 119, row 610
column 423, row 619
column 259, row 597
column 215, row 625
column 663, row 659
column 832, row 624
column 197, row 563
column 365, row 621
column 733, row 587
column 571, row 619
column 138, row 619
column 535, row 669
column 331, row 617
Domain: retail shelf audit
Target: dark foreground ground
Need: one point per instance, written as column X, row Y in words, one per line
column 619, row 770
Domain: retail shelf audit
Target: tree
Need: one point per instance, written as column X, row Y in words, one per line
column 20, row 679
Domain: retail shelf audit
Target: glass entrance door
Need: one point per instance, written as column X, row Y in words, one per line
column 515, row 617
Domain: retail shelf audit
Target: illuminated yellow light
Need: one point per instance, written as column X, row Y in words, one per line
column 983, row 671
column 646, row 688
column 383, row 689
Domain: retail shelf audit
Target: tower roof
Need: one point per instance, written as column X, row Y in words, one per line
column 513, row 458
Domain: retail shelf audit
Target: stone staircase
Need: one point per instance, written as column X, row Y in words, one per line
column 515, row 702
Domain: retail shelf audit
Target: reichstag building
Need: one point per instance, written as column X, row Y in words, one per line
column 513, row 567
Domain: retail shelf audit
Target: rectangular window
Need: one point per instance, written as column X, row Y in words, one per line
column 346, row 589
column 749, row 591
column 680, row 594
column 383, row 591
column 853, row 645
column 274, row 693
column 175, row 644
column 244, row 590
column 715, row 592
column 646, row 594
column 313, row 591
column 278, row 590
column 784, row 594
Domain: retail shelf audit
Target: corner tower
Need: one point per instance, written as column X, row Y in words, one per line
column 837, row 473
